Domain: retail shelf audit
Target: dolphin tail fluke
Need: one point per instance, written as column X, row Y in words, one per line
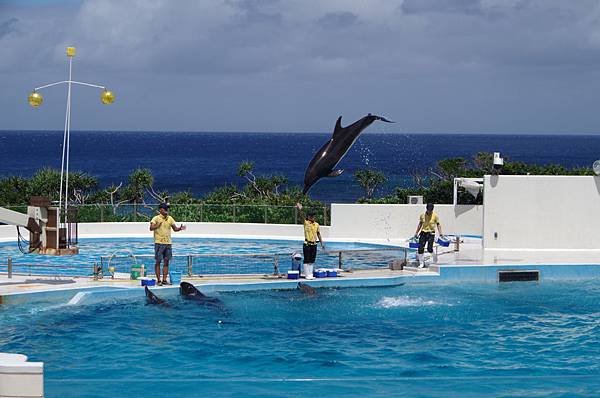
column 384, row 119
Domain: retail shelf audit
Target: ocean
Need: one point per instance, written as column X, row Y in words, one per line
column 200, row 161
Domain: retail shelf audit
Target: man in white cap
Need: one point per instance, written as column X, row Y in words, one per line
column 426, row 232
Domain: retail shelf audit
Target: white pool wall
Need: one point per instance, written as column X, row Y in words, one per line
column 196, row 229
column 541, row 212
column 383, row 224
column 209, row 230
column 20, row 378
column 399, row 221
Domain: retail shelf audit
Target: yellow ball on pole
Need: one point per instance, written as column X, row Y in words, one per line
column 71, row 52
column 107, row 97
column 35, row 99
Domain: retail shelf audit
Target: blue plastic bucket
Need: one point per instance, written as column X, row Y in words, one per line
column 443, row 242
column 175, row 277
column 293, row 274
column 413, row 245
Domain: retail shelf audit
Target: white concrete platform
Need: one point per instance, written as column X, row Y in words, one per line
column 20, row 378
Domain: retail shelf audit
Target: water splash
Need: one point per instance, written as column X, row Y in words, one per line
column 385, row 225
column 406, row 301
column 365, row 153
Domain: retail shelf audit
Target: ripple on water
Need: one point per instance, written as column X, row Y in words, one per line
column 406, row 301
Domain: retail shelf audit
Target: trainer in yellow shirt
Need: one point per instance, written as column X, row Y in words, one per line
column 312, row 235
column 162, row 234
column 428, row 221
column 311, row 231
column 161, row 225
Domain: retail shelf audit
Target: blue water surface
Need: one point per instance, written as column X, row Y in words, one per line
column 199, row 162
column 416, row 340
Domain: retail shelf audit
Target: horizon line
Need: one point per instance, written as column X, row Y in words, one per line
column 309, row 132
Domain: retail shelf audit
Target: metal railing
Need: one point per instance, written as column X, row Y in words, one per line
column 216, row 264
column 202, row 212
column 262, row 263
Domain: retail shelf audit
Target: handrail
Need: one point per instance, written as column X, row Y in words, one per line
column 344, row 257
column 230, row 263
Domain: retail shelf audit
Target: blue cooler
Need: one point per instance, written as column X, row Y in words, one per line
column 293, row 274
column 320, row 273
column 413, row 243
column 443, row 242
column 175, row 277
column 148, row 282
column 332, row 273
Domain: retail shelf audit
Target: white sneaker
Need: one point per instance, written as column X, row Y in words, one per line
column 421, row 265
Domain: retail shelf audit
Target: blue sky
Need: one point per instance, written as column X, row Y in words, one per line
column 467, row 66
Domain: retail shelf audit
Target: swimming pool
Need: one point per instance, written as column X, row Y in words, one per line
column 515, row 339
column 209, row 256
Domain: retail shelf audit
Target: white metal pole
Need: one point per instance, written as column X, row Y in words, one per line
column 107, row 98
column 62, row 162
column 68, row 137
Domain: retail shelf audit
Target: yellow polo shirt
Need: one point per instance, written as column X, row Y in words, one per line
column 162, row 234
column 428, row 222
column 310, row 231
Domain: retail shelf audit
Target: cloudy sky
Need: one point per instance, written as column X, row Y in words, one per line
column 491, row 66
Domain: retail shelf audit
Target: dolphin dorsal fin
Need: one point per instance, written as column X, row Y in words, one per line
column 338, row 127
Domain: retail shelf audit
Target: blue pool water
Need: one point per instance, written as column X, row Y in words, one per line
column 416, row 340
column 100, row 250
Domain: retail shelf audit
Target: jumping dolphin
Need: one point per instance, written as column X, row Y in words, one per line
column 152, row 298
column 330, row 154
column 306, row 289
column 189, row 291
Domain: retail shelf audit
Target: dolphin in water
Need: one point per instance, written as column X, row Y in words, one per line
column 306, row 289
column 152, row 298
column 330, row 154
column 189, row 291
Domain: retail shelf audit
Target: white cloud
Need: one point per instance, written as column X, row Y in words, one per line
column 269, row 48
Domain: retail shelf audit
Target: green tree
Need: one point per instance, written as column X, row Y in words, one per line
column 14, row 191
column 259, row 186
column 139, row 182
column 46, row 182
column 369, row 180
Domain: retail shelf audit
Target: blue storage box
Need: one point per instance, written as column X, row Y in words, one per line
column 175, row 277
column 332, row 273
column 443, row 242
column 148, row 282
column 293, row 274
column 320, row 273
